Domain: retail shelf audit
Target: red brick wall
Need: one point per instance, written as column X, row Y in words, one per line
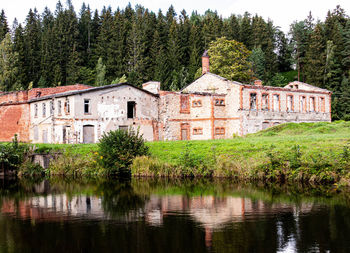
column 14, row 119
column 54, row 90
column 14, row 110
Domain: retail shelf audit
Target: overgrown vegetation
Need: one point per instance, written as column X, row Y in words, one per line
column 12, row 155
column 117, row 149
column 315, row 153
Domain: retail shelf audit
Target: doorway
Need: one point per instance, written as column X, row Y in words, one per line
column 185, row 131
column 88, row 134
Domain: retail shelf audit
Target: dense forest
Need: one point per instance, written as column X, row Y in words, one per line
column 102, row 47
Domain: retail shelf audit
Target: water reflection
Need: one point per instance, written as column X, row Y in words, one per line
column 154, row 216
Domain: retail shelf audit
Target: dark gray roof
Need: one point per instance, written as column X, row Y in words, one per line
column 75, row 92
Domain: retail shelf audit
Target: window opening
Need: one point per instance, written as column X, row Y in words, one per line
column 290, row 103
column 253, row 101
column 265, row 102
column 131, row 109
column 87, row 106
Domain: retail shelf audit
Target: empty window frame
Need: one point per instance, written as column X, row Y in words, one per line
column 196, row 103
column 131, row 109
column 59, row 107
column 312, row 104
column 35, row 110
column 252, row 102
column 290, row 103
column 302, row 104
column 219, row 102
column 51, row 107
column 184, row 104
column 219, row 130
column 87, row 106
column 44, row 109
column 276, row 102
column 265, row 102
column 124, row 128
column 67, row 106
column 322, row 104
column 197, row 131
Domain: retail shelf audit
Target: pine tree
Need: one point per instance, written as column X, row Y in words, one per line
column 316, row 57
column 284, row 56
column 32, row 38
column 100, row 73
column 346, row 49
column 48, row 49
column 4, row 28
column 257, row 58
column 8, row 65
column 20, row 48
column 245, row 33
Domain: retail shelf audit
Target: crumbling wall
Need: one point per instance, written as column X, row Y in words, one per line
column 14, row 119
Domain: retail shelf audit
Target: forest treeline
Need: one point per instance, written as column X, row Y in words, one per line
column 101, row 47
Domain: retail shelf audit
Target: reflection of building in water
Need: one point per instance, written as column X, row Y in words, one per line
column 54, row 207
column 209, row 211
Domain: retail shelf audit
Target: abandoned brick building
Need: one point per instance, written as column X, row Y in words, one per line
column 211, row 107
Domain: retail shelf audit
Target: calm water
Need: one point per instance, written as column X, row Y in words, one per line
column 170, row 216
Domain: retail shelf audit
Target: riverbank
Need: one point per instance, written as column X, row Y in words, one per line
column 316, row 153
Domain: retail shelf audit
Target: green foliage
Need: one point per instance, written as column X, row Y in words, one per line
column 117, row 149
column 119, row 80
column 72, row 164
column 277, row 80
column 8, row 68
column 100, row 73
column 257, row 59
column 230, row 59
column 12, row 154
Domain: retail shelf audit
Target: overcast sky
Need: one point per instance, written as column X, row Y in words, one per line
column 283, row 13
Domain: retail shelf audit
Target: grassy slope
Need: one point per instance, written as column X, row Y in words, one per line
column 313, row 139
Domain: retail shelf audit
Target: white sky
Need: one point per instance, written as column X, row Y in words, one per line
column 282, row 12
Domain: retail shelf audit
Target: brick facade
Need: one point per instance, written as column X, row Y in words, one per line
column 15, row 110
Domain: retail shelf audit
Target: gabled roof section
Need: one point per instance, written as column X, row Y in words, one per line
column 304, row 86
column 70, row 93
column 210, row 82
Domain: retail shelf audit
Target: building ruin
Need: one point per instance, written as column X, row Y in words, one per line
column 211, row 107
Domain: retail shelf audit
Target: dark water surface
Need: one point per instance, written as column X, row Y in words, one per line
column 144, row 215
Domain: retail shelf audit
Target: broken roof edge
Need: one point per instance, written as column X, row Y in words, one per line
column 308, row 85
column 76, row 92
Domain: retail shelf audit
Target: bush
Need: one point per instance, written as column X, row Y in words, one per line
column 117, row 149
column 12, row 155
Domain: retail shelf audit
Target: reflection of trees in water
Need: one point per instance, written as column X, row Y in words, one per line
column 324, row 227
column 119, row 197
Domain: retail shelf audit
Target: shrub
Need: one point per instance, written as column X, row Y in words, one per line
column 117, row 149
column 12, row 154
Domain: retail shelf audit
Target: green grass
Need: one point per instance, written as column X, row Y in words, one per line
column 311, row 137
column 303, row 152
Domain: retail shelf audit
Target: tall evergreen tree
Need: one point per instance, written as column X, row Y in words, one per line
column 8, row 65
column 4, row 28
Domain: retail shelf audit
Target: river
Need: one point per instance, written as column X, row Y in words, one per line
column 145, row 215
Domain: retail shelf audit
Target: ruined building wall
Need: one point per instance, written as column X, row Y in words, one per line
column 282, row 105
column 107, row 110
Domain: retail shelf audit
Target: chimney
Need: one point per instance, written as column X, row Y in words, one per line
column 258, row 82
column 205, row 62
